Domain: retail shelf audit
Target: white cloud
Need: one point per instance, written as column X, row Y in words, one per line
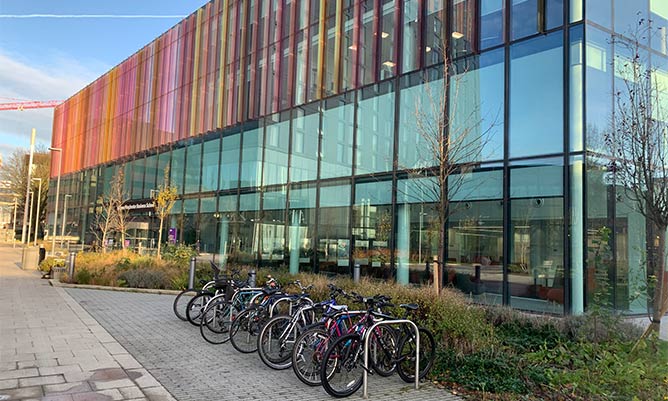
column 34, row 80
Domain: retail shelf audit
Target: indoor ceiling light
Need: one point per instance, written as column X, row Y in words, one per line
column 457, row 35
column 384, row 35
column 427, row 49
column 389, row 64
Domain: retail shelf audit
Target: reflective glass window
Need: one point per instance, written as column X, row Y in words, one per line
column 536, row 102
column 434, row 39
column 210, row 165
column 476, row 108
column 372, row 225
column 276, row 149
column 388, row 58
column 599, row 87
column 190, row 221
column 524, row 18
column 421, row 104
column 628, row 14
column 375, row 129
column 151, row 175
column 251, row 158
column 333, row 237
column 229, row 162
column 416, row 230
column 463, row 27
column 193, row 168
column 337, row 137
column 301, row 226
column 659, row 17
column 305, row 136
column 228, row 227
column 576, row 88
column 600, row 12
column 491, row 23
column 536, row 260
column 176, row 169
column 272, row 227
column 410, row 55
column 138, row 178
column 367, row 37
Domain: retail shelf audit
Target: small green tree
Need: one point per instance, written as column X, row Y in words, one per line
column 164, row 200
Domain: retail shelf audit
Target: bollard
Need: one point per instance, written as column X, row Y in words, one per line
column 356, row 273
column 191, row 273
column 70, row 265
column 252, row 275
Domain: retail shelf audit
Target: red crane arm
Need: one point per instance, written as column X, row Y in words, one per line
column 33, row 104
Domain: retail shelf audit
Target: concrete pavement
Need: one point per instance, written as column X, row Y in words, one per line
column 52, row 349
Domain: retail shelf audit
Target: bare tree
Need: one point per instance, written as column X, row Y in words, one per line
column 117, row 197
column 164, row 199
column 14, row 171
column 452, row 135
column 639, row 145
column 104, row 222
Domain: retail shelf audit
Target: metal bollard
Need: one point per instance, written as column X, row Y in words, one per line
column 70, row 265
column 356, row 273
column 191, row 273
column 252, row 275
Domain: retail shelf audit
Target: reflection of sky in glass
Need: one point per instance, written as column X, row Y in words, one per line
column 536, row 97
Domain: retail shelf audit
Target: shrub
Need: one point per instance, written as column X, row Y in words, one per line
column 144, row 278
column 51, row 262
column 487, row 370
column 178, row 254
column 82, row 276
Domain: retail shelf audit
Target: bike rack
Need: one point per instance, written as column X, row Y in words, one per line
column 417, row 350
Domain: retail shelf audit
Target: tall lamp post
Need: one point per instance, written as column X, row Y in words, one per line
column 32, row 202
column 39, row 198
column 16, row 204
column 55, row 211
column 24, row 239
column 64, row 222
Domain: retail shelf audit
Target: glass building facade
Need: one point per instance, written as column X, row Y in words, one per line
column 293, row 129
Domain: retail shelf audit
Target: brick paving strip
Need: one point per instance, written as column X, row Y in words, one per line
column 192, row 369
column 52, row 349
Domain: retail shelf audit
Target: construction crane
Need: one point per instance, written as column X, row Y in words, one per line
column 29, row 104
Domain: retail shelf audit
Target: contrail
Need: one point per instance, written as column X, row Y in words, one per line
column 88, row 16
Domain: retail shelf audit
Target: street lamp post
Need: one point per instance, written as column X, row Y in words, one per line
column 24, row 239
column 39, row 199
column 16, row 206
column 32, row 201
column 64, row 222
column 55, row 212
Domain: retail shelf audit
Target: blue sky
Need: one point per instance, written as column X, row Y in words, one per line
column 49, row 50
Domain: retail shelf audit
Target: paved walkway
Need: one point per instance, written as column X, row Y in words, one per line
column 192, row 369
column 51, row 349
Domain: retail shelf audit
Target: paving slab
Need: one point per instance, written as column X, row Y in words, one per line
column 52, row 349
column 189, row 368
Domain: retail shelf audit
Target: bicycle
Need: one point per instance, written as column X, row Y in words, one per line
column 182, row 300
column 278, row 336
column 337, row 321
column 343, row 372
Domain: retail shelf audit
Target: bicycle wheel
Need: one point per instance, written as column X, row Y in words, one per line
column 245, row 330
column 406, row 355
column 181, row 302
column 216, row 321
column 382, row 347
column 275, row 342
column 307, row 354
column 343, row 372
column 196, row 307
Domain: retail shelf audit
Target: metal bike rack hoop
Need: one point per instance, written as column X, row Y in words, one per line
column 417, row 350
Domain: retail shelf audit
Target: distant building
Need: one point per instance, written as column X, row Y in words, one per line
column 289, row 127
